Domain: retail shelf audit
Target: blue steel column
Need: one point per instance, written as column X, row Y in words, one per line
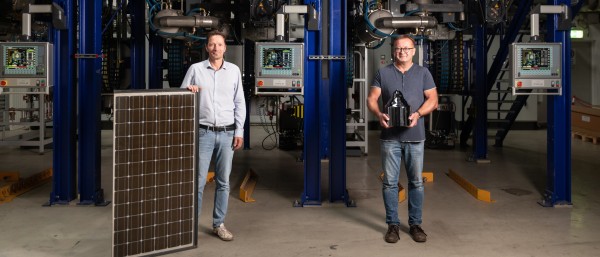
column 338, row 92
column 558, row 187
column 155, row 70
column 64, row 165
column 325, row 96
column 426, row 45
column 90, row 39
column 480, row 94
column 312, row 85
column 138, row 44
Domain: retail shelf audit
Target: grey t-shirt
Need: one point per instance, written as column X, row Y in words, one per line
column 412, row 84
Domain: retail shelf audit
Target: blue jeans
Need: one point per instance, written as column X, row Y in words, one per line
column 219, row 143
column 392, row 153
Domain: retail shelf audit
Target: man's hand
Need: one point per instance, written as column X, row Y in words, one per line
column 414, row 118
column 194, row 88
column 383, row 120
column 238, row 142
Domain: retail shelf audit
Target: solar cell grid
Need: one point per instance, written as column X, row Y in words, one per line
column 154, row 198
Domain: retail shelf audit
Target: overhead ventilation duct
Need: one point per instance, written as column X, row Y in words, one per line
column 173, row 24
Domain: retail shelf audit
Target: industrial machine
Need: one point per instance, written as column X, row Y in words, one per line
column 279, row 68
column 26, row 79
column 536, row 68
column 312, row 60
column 26, row 65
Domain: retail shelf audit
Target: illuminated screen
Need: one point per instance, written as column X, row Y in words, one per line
column 535, row 59
column 277, row 59
column 20, row 59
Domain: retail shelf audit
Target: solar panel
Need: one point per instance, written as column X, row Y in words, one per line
column 154, row 186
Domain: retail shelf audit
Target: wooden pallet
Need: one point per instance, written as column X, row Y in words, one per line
column 586, row 135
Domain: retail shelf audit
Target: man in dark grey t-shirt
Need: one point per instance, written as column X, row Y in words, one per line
column 408, row 143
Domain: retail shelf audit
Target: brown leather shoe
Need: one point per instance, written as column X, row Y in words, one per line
column 393, row 233
column 417, row 233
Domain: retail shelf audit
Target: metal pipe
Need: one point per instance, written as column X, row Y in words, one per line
column 26, row 28
column 406, row 22
column 423, row 1
column 535, row 26
column 279, row 27
column 189, row 21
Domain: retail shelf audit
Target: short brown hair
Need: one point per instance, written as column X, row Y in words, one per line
column 215, row 32
column 403, row 37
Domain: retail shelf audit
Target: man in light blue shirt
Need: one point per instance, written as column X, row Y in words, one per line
column 221, row 116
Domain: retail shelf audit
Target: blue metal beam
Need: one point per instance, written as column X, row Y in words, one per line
column 155, row 69
column 312, row 87
column 338, row 93
column 138, row 44
column 64, row 112
column 558, row 187
column 480, row 94
column 90, row 39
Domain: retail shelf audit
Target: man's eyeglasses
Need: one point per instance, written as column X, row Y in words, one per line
column 405, row 49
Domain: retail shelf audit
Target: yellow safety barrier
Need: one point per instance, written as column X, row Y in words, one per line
column 480, row 194
column 427, row 176
column 17, row 186
column 210, row 177
column 247, row 187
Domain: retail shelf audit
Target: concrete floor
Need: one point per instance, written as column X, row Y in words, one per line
column 457, row 224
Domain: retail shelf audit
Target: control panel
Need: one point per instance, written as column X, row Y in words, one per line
column 536, row 68
column 279, row 68
column 26, row 65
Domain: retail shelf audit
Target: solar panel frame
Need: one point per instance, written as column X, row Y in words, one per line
column 155, row 185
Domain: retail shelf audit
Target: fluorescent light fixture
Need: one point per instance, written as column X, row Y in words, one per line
column 576, row 33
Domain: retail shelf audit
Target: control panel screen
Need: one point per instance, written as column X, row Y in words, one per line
column 535, row 59
column 20, row 60
column 279, row 68
column 277, row 59
column 536, row 68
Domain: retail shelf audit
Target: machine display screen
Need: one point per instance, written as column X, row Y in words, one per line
column 277, row 58
column 535, row 59
column 279, row 68
column 20, row 59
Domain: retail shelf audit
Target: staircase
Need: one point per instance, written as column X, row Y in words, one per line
column 503, row 107
column 498, row 86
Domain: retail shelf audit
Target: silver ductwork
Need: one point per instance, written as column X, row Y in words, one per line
column 189, row 21
column 406, row 22
column 173, row 24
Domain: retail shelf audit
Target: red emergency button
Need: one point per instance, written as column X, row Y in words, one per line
column 3, row 83
column 519, row 84
column 260, row 83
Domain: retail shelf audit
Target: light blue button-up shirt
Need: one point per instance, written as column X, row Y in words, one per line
column 221, row 94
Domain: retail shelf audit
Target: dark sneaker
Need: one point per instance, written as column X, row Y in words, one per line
column 417, row 233
column 393, row 233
